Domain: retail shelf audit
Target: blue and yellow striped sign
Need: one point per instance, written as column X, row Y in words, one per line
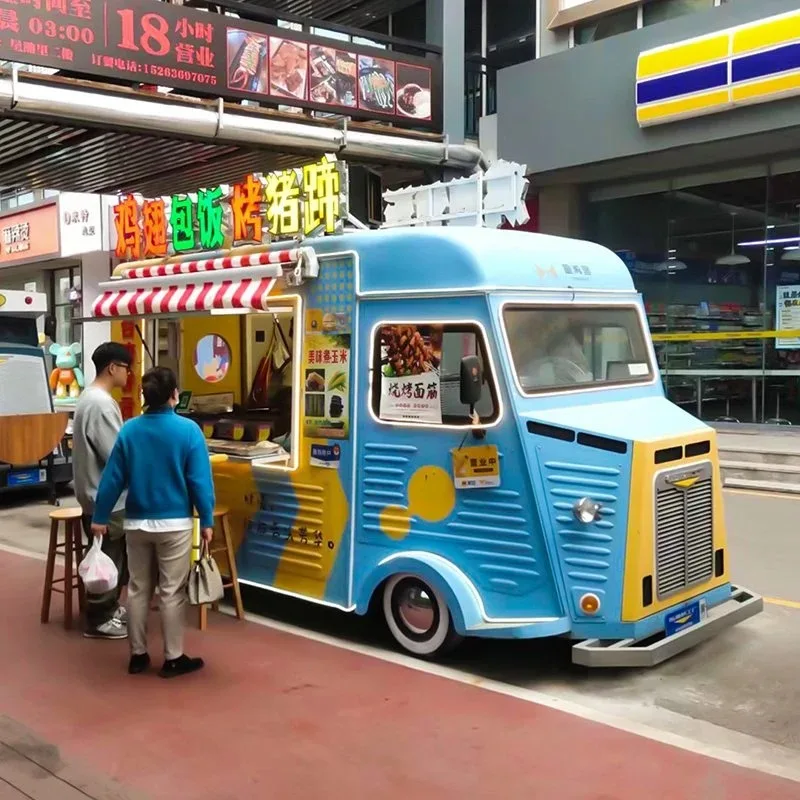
column 752, row 63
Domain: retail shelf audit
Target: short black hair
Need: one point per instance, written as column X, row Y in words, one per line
column 110, row 353
column 158, row 386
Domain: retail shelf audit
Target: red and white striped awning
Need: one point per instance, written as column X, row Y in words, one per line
column 213, row 264
column 187, row 297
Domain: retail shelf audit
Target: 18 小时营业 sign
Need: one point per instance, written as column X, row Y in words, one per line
column 173, row 45
column 285, row 204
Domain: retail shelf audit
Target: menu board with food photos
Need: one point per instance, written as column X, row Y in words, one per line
column 146, row 41
column 333, row 76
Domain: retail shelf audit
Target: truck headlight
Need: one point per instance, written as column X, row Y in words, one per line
column 586, row 510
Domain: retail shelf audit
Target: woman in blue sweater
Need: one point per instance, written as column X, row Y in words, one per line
column 162, row 460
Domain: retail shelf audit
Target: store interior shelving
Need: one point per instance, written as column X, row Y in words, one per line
column 703, row 357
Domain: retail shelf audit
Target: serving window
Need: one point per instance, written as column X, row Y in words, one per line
column 416, row 374
column 238, row 379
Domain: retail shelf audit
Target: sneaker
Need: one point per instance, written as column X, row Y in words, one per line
column 121, row 614
column 138, row 663
column 182, row 665
column 111, row 629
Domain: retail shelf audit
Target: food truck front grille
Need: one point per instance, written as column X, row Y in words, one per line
column 684, row 529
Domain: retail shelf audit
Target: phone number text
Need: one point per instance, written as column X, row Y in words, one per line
column 153, row 70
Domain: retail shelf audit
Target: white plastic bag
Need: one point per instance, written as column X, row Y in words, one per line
column 97, row 570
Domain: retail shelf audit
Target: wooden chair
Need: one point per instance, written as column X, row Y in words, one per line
column 222, row 525
column 73, row 550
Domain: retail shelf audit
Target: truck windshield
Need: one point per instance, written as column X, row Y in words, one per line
column 574, row 347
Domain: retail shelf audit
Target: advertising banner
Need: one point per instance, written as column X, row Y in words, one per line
column 29, row 235
column 787, row 315
column 411, row 358
column 183, row 48
column 79, row 223
column 326, row 375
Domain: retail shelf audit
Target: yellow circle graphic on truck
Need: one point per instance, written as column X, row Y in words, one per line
column 395, row 522
column 431, row 498
column 2, row 300
column 431, row 494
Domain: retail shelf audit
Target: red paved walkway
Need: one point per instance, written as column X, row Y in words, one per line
column 275, row 715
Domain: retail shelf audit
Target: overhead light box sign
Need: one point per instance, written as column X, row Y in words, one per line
column 751, row 63
column 29, row 235
column 170, row 45
column 79, row 223
column 488, row 199
column 287, row 204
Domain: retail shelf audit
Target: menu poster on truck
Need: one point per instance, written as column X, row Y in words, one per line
column 326, row 376
column 411, row 358
column 166, row 44
column 787, row 315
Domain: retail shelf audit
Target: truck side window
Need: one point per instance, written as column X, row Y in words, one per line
column 417, row 371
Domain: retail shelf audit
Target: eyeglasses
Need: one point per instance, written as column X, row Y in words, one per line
column 126, row 367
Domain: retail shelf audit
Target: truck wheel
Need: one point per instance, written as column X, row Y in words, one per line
column 418, row 618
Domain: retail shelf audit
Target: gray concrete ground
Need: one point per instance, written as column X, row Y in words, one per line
column 740, row 691
column 24, row 521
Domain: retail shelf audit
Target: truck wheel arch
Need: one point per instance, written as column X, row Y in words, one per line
column 435, row 570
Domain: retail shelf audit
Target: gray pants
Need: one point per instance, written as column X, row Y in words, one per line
column 101, row 607
column 163, row 560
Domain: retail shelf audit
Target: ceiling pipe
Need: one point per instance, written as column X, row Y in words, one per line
column 78, row 107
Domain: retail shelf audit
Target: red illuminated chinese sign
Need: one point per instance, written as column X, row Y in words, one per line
column 170, row 45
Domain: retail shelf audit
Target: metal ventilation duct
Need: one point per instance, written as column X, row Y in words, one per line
column 30, row 99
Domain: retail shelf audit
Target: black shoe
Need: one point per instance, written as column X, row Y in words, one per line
column 138, row 663
column 182, row 665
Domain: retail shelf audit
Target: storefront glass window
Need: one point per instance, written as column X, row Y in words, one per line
column 510, row 32
column 63, row 285
column 473, row 26
column 608, row 25
column 409, row 23
column 718, row 265
column 368, row 42
column 64, row 309
column 342, row 37
column 510, row 19
column 662, row 10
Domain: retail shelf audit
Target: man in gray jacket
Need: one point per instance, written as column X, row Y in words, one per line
column 95, row 427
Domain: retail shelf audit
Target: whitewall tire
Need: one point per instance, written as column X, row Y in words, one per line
column 417, row 617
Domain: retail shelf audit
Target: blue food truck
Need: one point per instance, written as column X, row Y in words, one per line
column 468, row 434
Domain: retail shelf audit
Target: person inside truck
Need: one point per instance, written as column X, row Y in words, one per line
column 552, row 355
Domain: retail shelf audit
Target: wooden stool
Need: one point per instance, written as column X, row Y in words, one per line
column 221, row 524
column 73, row 550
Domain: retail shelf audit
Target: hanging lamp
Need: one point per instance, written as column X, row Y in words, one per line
column 733, row 259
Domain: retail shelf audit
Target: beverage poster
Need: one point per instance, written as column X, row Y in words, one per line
column 411, row 358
